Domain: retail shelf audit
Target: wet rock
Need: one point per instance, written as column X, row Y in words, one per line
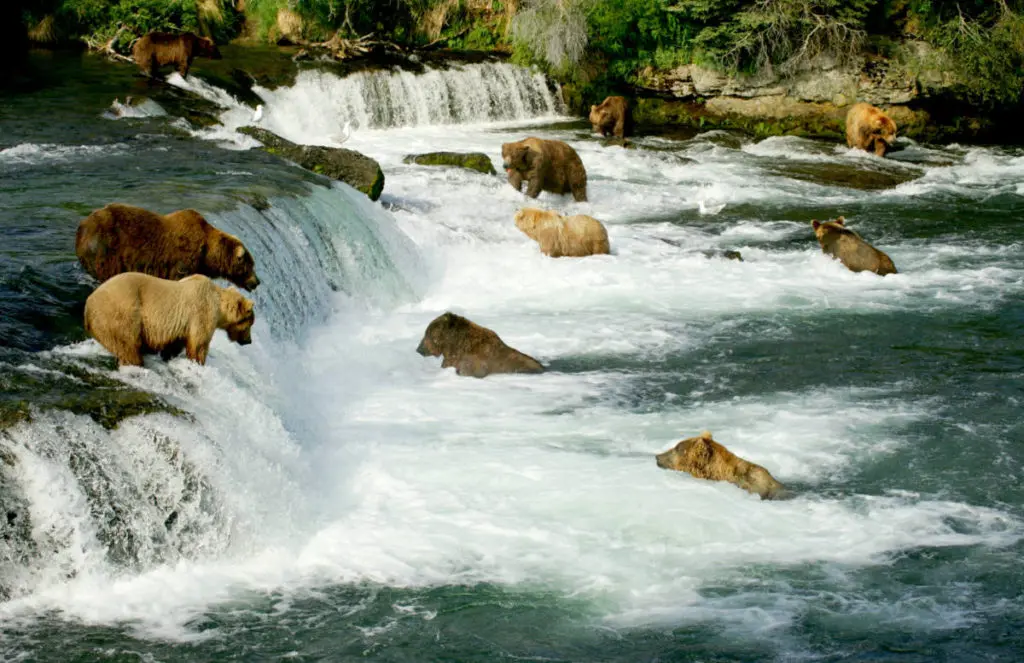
column 477, row 161
column 357, row 170
column 728, row 254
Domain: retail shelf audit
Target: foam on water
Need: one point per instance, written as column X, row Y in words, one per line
column 33, row 153
column 335, row 454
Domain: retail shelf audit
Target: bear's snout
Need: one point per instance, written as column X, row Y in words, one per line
column 251, row 283
column 422, row 348
column 663, row 460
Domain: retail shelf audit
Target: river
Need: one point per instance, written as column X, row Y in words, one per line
column 328, row 494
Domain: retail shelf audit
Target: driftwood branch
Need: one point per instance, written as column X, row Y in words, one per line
column 341, row 48
column 107, row 48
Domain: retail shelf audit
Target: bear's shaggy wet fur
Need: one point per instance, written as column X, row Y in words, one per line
column 850, row 248
column 563, row 236
column 473, row 350
column 124, row 238
column 869, row 128
column 704, row 458
column 135, row 314
column 545, row 165
column 158, row 49
column 612, row 117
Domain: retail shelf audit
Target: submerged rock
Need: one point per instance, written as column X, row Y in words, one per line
column 357, row 170
column 477, row 161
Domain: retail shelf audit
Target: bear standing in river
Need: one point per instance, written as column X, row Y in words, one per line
column 545, row 165
column 158, row 49
column 612, row 117
column 124, row 238
column 704, row 458
column 135, row 314
column 473, row 350
column 870, row 129
column 850, row 248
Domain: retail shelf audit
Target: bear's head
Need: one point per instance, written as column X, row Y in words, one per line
column 529, row 218
column 236, row 316
column 515, row 156
column 688, row 455
column 823, row 229
column 600, row 116
column 226, row 256
column 206, row 48
column 444, row 334
column 882, row 133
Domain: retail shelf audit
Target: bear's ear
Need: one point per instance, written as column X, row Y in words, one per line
column 705, row 435
column 239, row 252
column 816, row 224
column 841, row 222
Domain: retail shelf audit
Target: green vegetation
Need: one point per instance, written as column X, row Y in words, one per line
column 980, row 41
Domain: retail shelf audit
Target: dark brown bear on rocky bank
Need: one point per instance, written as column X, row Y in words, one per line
column 158, row 49
column 545, row 165
column 123, row 238
column 612, row 117
column 473, row 350
column 704, row 458
column 840, row 242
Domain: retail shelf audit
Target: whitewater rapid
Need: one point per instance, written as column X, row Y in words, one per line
column 332, row 453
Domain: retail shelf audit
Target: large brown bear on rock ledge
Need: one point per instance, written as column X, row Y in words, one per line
column 545, row 165
column 870, row 129
column 124, row 238
column 612, row 117
column 135, row 314
column 850, row 248
column 563, row 236
column 704, row 458
column 473, row 350
column 158, row 49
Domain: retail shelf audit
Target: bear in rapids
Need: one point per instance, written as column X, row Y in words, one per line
column 123, row 238
column 704, row 458
column 473, row 350
column 612, row 117
column 869, row 128
column 545, row 165
column 563, row 236
column 840, row 242
column 158, row 49
column 135, row 314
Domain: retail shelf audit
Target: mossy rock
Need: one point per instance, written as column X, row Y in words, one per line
column 357, row 170
column 477, row 161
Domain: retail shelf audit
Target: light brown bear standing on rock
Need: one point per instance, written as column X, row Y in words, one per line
column 545, row 165
column 563, row 236
column 840, row 242
column 870, row 129
column 612, row 117
column 123, row 238
column 135, row 314
column 704, row 458
column 158, row 49
column 473, row 350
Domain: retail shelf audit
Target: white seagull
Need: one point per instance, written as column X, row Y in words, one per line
column 258, row 115
column 346, row 132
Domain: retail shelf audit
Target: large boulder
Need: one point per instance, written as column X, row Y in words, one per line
column 357, row 170
column 477, row 161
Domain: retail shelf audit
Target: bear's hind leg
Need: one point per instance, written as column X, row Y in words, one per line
column 197, row 351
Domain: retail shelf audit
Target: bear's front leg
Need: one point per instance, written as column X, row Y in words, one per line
column 515, row 178
column 185, row 66
column 197, row 351
column 533, row 186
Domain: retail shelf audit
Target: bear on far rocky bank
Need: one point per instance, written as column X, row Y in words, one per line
column 612, row 117
column 869, row 128
column 158, row 49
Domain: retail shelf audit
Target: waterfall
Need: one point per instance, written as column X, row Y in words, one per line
column 224, row 474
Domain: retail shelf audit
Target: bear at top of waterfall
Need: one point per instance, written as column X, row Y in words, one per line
column 124, row 238
column 545, row 165
column 563, row 236
column 473, row 350
column 869, row 128
column 704, row 458
column 850, row 248
column 612, row 117
column 158, row 49
column 136, row 314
